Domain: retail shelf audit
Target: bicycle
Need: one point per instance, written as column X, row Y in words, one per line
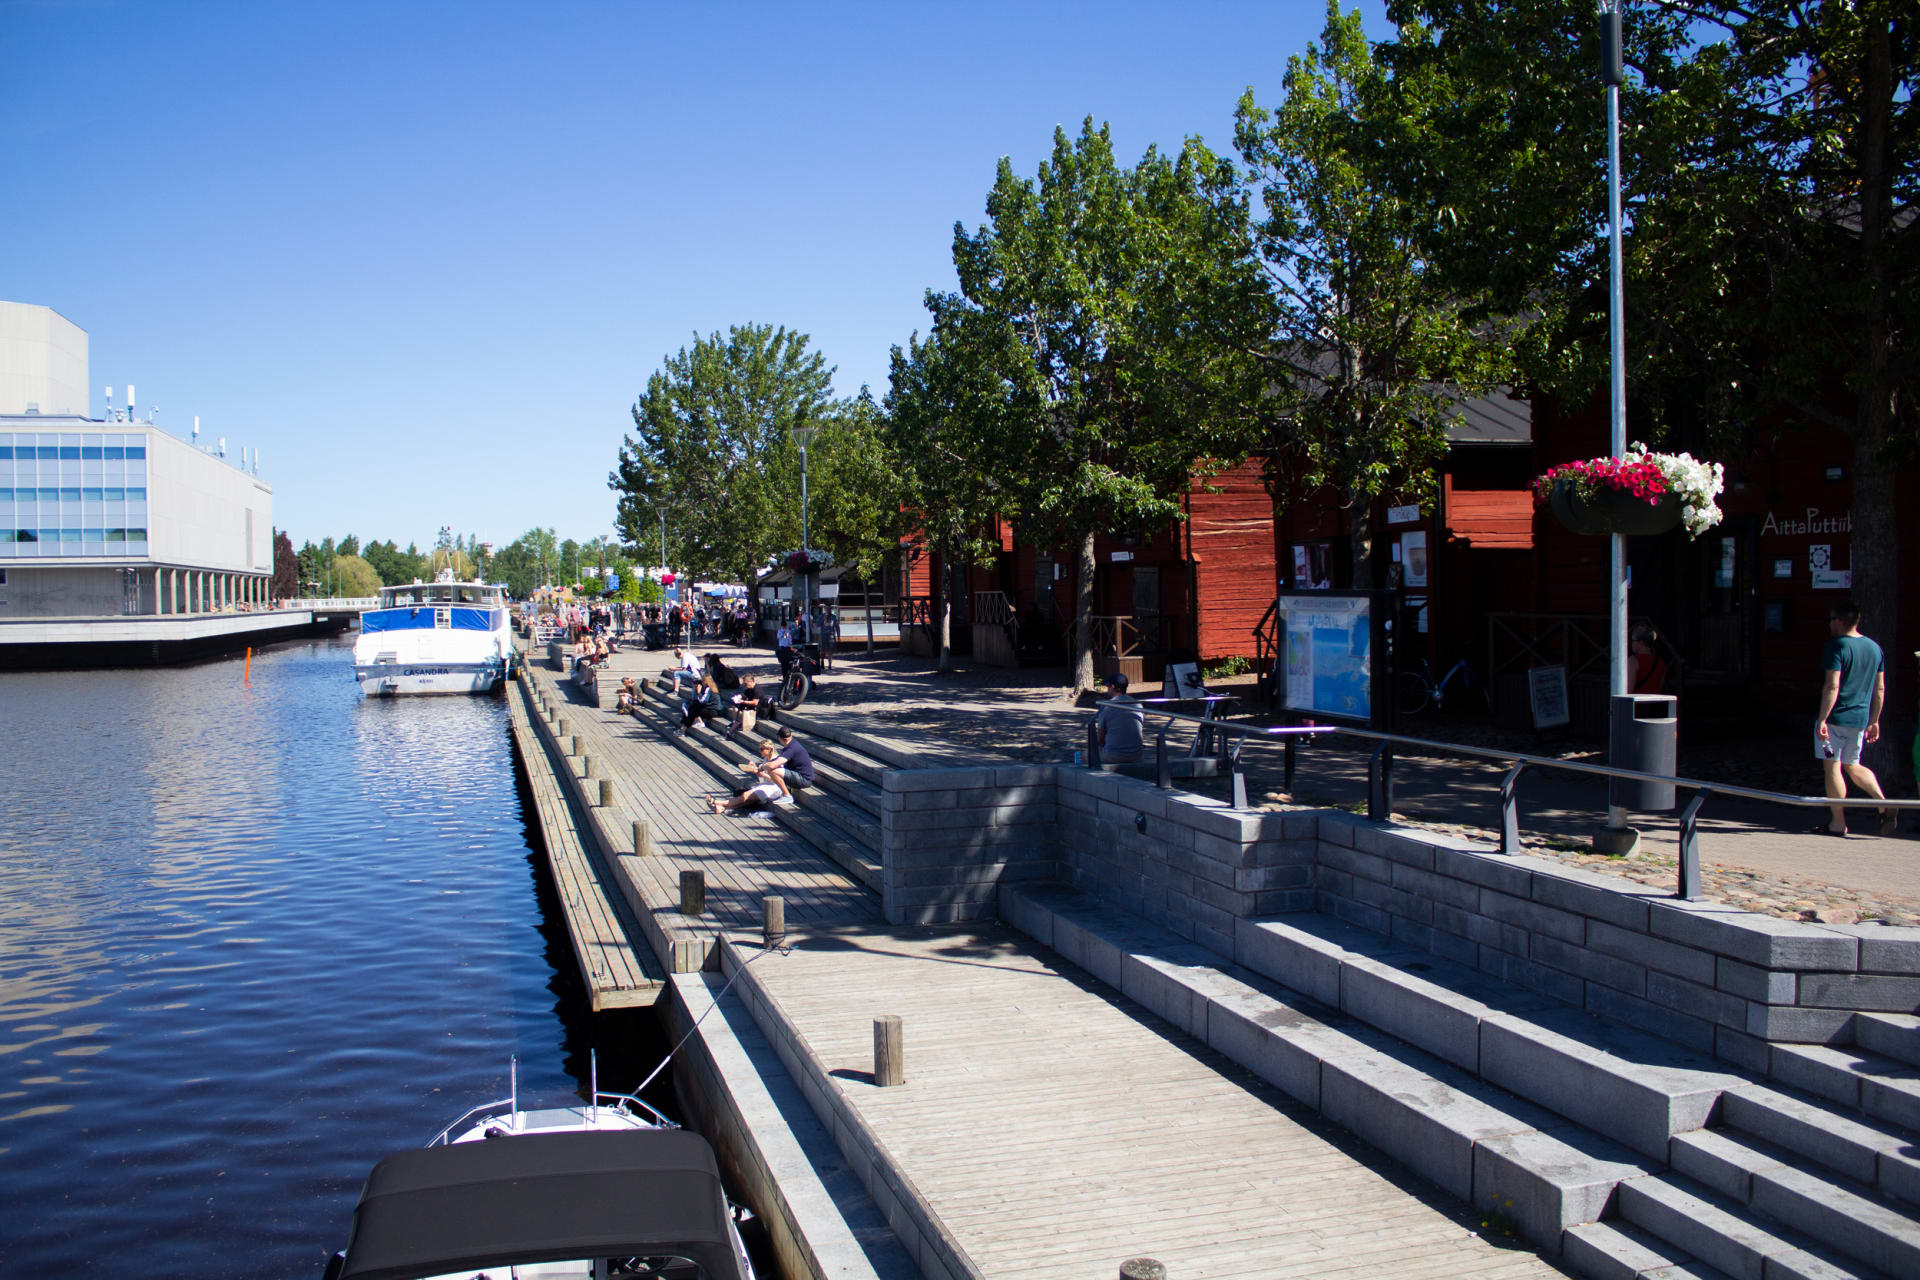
column 796, row 680
column 1418, row 688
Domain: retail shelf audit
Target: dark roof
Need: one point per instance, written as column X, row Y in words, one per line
column 542, row 1197
column 1494, row 418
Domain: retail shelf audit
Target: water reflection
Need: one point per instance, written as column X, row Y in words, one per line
column 250, row 939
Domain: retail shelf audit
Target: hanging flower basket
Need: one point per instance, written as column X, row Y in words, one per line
column 1638, row 494
column 807, row 560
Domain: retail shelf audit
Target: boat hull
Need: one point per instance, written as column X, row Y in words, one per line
column 396, row 679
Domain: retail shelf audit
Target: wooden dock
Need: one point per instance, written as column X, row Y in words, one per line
column 1048, row 1127
column 616, row 963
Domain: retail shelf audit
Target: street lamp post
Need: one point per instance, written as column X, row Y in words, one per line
column 1616, row 837
column 801, row 436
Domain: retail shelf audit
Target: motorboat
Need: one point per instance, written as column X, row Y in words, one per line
column 599, row 1191
column 435, row 637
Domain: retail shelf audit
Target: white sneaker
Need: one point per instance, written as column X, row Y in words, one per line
column 783, row 799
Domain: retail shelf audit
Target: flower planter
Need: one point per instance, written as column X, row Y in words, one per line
column 1613, row 511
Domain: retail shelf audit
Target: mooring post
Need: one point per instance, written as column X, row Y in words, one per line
column 693, row 893
column 561, row 727
column 606, row 793
column 773, row 929
column 642, row 842
column 586, row 767
column 573, row 745
column 1142, row 1269
column 889, row 1052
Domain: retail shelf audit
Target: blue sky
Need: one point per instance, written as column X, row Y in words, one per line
column 424, row 256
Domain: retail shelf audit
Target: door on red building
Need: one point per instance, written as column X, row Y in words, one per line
column 1146, row 606
column 1723, row 568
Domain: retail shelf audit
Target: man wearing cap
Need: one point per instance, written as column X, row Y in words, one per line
column 1120, row 725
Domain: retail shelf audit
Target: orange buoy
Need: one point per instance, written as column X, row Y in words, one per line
column 246, row 674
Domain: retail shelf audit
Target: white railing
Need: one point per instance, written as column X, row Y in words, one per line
column 335, row 602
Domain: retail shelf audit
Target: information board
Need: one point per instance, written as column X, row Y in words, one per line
column 1547, row 692
column 1327, row 651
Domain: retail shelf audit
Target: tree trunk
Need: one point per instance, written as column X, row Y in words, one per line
column 867, row 599
column 1875, row 539
column 1083, row 620
column 1362, row 543
column 946, row 613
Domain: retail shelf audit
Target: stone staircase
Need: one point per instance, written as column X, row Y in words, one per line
column 1619, row 1153
column 839, row 815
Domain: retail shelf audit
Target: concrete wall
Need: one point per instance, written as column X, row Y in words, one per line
column 43, row 361
column 948, row 837
column 198, row 509
column 63, row 593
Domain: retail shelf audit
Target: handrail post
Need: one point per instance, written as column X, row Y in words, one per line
column 1510, row 809
column 1163, row 767
column 1093, row 746
column 1380, row 783
column 1292, row 761
column 1239, row 778
column 1690, row 846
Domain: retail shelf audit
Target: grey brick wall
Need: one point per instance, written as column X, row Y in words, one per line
column 948, row 837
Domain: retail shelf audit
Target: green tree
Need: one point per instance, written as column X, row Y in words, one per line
column 313, row 569
column 353, row 576
column 349, row 546
column 569, row 565
column 515, row 565
column 1136, row 315
column 286, row 567
column 1375, row 349
column 712, row 450
column 856, row 489
column 1771, row 166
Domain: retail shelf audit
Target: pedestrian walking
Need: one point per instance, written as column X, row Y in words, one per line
column 1851, row 697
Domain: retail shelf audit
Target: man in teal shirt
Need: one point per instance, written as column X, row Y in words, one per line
column 1850, row 702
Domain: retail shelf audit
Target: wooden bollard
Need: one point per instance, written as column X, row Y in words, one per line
column 586, row 765
column 606, row 793
column 773, row 929
column 889, row 1052
column 561, row 728
column 1142, row 1269
column 642, row 841
column 693, row 893
column 573, row 745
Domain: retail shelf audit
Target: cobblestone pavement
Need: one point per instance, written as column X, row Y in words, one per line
column 1758, row 857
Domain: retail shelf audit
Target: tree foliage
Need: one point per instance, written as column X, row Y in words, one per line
column 1375, row 350
column 353, row 576
column 286, row 567
column 1117, row 316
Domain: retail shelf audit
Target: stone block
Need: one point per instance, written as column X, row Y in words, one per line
column 1490, row 871
column 1840, row 1144
column 1523, row 913
column 918, row 800
column 1742, row 1050
column 1549, row 1180
column 1438, row 942
column 1165, row 986
column 1792, row 1024
column 1614, row 899
column 1333, row 827
column 1436, row 888
column 1698, row 1001
column 1686, row 962
column 1272, row 902
column 1876, row 1234
column 1354, row 913
column 1644, row 1015
column 1393, row 901
column 1534, row 977
column 1353, row 862
column 1593, row 966
column 1080, row 946
column 1887, row 948
column 1750, row 982
column 1612, row 1082
column 1292, row 957
column 1481, row 930
column 1892, row 1035
column 935, row 779
column 1301, row 824
column 1405, row 849
column 1026, row 775
column 1283, row 876
column 1026, row 912
column 1606, row 1251
column 1880, row 993
column 1756, row 939
column 1290, row 853
column 1278, row 1043
column 1423, row 1014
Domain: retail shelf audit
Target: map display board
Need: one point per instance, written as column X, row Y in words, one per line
column 1327, row 653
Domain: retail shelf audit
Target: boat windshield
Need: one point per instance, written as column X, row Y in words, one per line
column 425, row 593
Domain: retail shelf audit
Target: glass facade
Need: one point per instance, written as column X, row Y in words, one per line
column 73, row 493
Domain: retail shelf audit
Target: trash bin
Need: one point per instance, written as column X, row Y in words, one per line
column 656, row 634
column 1645, row 736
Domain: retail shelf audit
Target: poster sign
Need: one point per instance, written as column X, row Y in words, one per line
column 1413, row 554
column 1547, row 691
column 1326, row 655
column 1783, row 568
column 1302, row 568
column 1182, row 680
column 1409, row 514
column 1825, row 576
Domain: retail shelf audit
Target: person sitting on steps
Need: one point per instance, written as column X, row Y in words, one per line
column 626, row 698
column 748, row 699
column 794, row 759
column 702, row 703
column 1120, row 725
column 685, row 666
column 769, row 787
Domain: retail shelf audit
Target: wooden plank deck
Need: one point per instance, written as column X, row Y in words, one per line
column 1054, row 1127
column 616, row 963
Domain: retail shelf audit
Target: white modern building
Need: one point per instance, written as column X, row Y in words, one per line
column 113, row 517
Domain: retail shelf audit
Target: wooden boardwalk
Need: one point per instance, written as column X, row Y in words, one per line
column 1054, row 1127
column 616, row 962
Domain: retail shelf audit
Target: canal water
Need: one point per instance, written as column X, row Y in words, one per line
column 253, row 936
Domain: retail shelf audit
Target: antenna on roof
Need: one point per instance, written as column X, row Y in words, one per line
column 109, row 404
column 129, row 402
column 223, row 446
column 196, row 429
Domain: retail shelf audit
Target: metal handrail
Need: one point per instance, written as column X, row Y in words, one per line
column 1380, row 778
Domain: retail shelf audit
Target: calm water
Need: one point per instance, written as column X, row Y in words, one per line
column 251, row 939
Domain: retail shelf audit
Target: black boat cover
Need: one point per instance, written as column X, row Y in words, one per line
column 542, row 1197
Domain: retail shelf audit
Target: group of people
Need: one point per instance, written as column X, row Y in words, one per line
column 784, row 767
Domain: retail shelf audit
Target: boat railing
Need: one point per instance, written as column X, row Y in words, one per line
column 508, row 1106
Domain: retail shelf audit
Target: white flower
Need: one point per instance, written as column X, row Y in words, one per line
column 1697, row 484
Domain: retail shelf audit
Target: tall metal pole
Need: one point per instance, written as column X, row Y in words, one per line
column 1613, row 73
column 805, row 542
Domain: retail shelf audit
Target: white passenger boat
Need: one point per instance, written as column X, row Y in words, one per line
column 609, row 1189
column 434, row 637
